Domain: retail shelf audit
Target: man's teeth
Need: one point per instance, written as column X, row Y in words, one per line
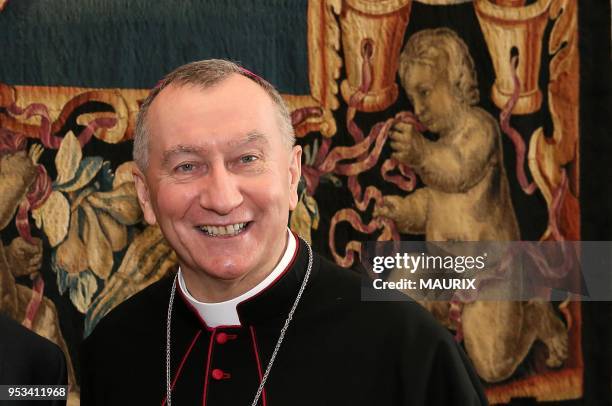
column 222, row 231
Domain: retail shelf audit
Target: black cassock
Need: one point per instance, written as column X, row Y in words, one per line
column 337, row 351
column 29, row 359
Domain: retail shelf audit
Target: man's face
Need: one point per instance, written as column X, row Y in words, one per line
column 430, row 94
column 221, row 179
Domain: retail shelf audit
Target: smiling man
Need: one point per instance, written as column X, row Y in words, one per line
column 220, row 180
column 252, row 316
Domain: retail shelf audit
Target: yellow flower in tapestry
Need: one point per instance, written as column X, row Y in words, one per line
column 86, row 220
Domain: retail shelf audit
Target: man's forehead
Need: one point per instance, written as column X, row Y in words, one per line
column 236, row 96
column 205, row 145
column 234, row 84
column 252, row 137
column 207, row 118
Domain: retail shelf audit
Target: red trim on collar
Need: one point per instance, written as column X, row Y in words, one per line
column 180, row 368
column 259, row 371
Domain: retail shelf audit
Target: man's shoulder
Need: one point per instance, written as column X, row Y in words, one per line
column 397, row 311
column 330, row 272
column 27, row 355
column 137, row 313
column 16, row 337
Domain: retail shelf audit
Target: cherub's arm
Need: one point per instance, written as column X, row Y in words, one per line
column 409, row 213
column 453, row 164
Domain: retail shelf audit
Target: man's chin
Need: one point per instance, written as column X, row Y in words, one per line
column 224, row 271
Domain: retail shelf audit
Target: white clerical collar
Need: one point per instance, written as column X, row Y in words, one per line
column 225, row 313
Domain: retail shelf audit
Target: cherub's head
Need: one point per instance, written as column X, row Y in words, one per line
column 437, row 72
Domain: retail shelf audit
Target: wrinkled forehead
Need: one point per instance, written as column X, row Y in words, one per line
column 233, row 108
column 232, row 91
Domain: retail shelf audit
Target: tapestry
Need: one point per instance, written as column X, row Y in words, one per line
column 400, row 106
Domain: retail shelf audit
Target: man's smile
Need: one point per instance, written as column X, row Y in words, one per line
column 228, row 230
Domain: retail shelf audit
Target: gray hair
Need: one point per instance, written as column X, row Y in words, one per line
column 204, row 74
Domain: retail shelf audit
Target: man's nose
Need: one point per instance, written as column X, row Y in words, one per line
column 220, row 192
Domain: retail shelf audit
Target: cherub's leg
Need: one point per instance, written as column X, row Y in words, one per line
column 409, row 213
column 498, row 336
column 552, row 332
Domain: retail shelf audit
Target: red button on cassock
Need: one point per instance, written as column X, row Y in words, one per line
column 221, row 338
column 218, row 374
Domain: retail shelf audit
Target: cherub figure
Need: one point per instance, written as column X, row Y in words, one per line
column 466, row 196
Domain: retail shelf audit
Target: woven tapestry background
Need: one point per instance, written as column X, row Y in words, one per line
column 72, row 75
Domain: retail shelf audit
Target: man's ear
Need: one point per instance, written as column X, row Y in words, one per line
column 144, row 198
column 295, row 172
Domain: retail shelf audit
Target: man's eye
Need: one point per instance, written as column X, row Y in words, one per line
column 248, row 159
column 185, row 168
column 425, row 92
